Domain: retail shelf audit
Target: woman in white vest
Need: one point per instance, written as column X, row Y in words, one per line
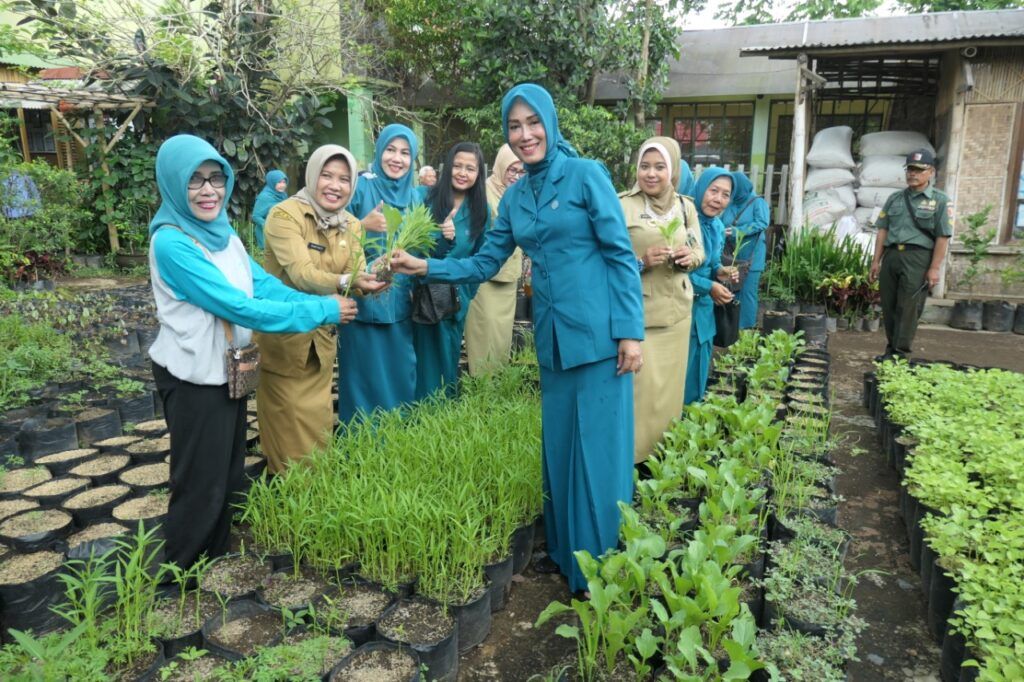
column 204, row 283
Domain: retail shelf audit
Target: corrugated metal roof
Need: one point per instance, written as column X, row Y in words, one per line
column 709, row 65
column 914, row 29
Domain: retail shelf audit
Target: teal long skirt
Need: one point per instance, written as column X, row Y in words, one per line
column 587, row 417
column 698, row 367
column 748, row 299
column 438, row 348
column 376, row 367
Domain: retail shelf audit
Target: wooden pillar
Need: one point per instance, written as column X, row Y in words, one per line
column 115, row 243
column 799, row 149
column 24, row 135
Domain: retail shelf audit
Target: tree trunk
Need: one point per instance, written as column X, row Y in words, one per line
column 591, row 94
column 638, row 106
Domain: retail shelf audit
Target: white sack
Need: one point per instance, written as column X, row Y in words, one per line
column 826, row 206
column 846, row 226
column 865, row 240
column 831, row 148
column 869, row 197
column 825, row 178
column 846, row 195
column 863, row 216
column 882, row 171
column 894, row 142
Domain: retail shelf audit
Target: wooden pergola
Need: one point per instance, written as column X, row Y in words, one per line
column 65, row 100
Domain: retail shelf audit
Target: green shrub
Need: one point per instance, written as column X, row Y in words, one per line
column 30, row 355
column 33, row 246
column 812, row 259
column 595, row 132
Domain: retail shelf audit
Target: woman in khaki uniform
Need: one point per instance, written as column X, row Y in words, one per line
column 312, row 245
column 651, row 205
column 492, row 311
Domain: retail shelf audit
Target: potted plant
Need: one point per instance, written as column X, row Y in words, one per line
column 967, row 313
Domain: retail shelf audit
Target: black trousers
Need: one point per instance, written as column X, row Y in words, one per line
column 207, row 430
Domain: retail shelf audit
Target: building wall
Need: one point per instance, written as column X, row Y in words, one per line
column 981, row 128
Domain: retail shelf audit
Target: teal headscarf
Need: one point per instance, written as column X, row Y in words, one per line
column 538, row 99
column 397, row 193
column 710, row 226
column 268, row 197
column 686, row 184
column 742, row 189
column 273, row 177
column 176, row 161
column 703, row 182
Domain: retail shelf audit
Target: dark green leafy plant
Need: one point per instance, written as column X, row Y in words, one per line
column 810, row 258
column 977, row 241
column 37, row 240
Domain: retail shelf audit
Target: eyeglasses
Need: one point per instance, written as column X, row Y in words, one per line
column 217, row 180
column 517, row 172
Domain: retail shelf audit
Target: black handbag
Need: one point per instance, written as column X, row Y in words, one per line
column 432, row 303
column 727, row 324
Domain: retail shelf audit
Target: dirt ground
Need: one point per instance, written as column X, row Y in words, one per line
column 895, row 645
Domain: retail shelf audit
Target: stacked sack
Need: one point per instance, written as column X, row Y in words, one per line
column 881, row 173
column 828, row 189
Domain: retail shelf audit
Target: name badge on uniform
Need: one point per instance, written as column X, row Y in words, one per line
column 317, row 247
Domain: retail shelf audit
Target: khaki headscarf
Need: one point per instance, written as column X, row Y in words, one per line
column 496, row 180
column 326, row 219
column 669, row 149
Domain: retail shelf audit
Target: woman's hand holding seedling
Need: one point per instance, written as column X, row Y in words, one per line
column 720, row 294
column 368, row 283
column 728, row 273
column 656, row 255
column 683, row 257
column 405, row 263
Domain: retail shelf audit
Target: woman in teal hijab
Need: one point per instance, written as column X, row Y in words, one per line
column 205, row 283
column 588, row 322
column 273, row 193
column 747, row 218
column 376, row 356
column 458, row 203
column 712, row 193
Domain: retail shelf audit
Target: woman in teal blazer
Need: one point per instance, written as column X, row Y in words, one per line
column 376, row 358
column 458, row 203
column 748, row 216
column 712, row 193
column 588, row 323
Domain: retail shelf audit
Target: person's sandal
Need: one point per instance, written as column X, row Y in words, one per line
column 546, row 565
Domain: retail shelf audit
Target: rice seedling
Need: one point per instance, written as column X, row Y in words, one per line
column 433, row 492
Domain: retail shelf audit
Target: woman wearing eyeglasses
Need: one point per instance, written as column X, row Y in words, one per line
column 204, row 283
column 489, row 322
column 313, row 245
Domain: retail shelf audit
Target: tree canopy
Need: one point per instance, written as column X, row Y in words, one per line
column 770, row 11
